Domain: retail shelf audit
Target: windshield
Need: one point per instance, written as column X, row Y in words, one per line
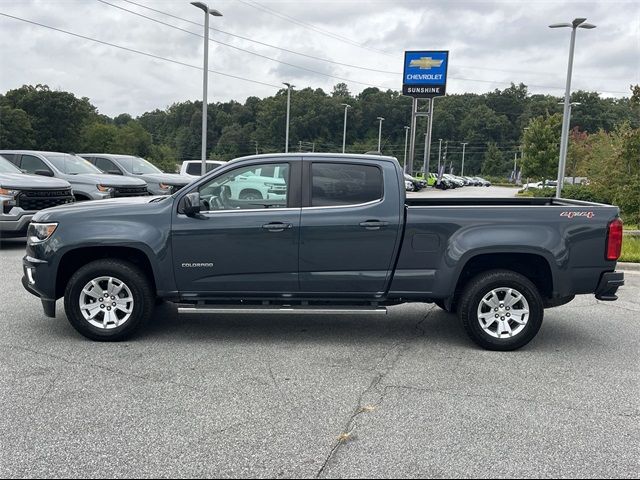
column 137, row 165
column 7, row 167
column 71, row 164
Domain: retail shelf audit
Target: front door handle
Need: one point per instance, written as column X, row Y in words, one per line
column 277, row 226
column 373, row 224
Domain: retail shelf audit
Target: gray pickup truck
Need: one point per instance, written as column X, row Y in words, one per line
column 23, row 195
column 340, row 239
column 158, row 182
column 87, row 181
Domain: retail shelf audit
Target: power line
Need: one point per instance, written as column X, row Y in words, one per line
column 132, row 50
column 312, row 27
column 242, row 49
column 264, row 43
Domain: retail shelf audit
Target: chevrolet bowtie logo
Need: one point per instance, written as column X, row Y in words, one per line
column 425, row 63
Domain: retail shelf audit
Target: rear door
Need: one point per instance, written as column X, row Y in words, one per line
column 242, row 244
column 350, row 226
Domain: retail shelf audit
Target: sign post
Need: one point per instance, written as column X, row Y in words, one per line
column 425, row 76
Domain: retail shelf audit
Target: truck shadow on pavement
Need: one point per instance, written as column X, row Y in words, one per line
column 13, row 244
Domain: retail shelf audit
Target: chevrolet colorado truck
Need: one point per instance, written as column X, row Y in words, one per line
column 22, row 195
column 341, row 239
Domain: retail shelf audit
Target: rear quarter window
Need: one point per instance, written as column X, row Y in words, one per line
column 335, row 184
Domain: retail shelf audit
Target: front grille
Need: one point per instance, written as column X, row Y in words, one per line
column 130, row 191
column 32, row 200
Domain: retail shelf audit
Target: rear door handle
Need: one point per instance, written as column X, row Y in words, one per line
column 373, row 224
column 277, row 226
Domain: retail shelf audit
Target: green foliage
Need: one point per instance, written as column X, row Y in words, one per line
column 15, row 129
column 494, row 162
column 541, row 147
column 630, row 249
column 57, row 118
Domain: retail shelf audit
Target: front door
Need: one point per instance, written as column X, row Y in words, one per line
column 246, row 239
column 350, row 227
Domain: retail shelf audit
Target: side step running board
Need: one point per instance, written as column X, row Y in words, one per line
column 277, row 309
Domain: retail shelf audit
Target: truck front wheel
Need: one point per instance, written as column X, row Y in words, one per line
column 108, row 300
column 501, row 310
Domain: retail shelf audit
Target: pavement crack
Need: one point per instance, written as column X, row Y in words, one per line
column 383, row 368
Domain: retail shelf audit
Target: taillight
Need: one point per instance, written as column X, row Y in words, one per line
column 614, row 240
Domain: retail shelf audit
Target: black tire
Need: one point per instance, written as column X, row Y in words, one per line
column 250, row 195
column 482, row 285
column 141, row 292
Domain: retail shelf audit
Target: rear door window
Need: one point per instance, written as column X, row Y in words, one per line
column 31, row 164
column 335, row 184
column 106, row 165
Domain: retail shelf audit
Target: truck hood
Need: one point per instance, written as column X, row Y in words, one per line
column 22, row 181
column 121, row 207
column 168, row 178
column 106, row 179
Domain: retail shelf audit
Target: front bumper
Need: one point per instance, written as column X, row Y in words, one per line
column 35, row 279
column 15, row 225
column 608, row 286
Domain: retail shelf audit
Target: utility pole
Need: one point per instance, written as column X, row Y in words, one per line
column 256, row 146
column 205, row 80
column 464, row 144
column 344, row 133
column 439, row 154
column 425, row 162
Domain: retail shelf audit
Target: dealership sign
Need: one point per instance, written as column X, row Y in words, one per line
column 425, row 74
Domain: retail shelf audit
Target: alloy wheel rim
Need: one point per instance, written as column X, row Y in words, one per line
column 503, row 312
column 106, row 302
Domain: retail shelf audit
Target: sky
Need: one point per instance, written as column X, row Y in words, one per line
column 491, row 44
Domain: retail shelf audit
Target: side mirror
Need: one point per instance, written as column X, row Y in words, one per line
column 190, row 204
column 44, row 173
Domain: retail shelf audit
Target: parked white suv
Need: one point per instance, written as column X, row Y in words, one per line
column 193, row 168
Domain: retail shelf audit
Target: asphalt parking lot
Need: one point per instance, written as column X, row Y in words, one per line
column 404, row 395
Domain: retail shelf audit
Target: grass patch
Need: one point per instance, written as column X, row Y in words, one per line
column 630, row 249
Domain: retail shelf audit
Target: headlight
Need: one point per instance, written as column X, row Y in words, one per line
column 104, row 188
column 164, row 186
column 39, row 232
column 8, row 193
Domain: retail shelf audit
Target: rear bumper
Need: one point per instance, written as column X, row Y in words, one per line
column 608, row 286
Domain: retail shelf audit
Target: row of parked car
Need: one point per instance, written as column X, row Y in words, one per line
column 413, row 184
column 34, row 180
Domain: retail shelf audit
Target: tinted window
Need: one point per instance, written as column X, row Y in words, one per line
column 105, row 165
column 248, row 188
column 344, row 184
column 12, row 157
column 30, row 164
column 194, row 168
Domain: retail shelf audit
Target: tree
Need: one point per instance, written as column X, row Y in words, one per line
column 542, row 147
column 494, row 162
column 15, row 129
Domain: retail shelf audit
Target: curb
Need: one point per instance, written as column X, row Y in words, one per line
column 634, row 267
column 632, row 233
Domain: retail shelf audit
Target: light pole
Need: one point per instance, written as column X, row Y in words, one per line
column 207, row 11
column 464, row 145
column 565, row 147
column 406, row 139
column 439, row 155
column 286, row 137
column 381, row 119
column 425, row 161
column 577, row 23
column 344, row 132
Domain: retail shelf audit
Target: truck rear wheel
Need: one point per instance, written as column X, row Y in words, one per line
column 501, row 310
column 108, row 300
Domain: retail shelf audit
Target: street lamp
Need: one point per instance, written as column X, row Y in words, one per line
column 286, row 140
column 565, row 147
column 439, row 154
column 344, row 132
column 577, row 23
column 406, row 139
column 207, row 11
column 381, row 119
column 464, row 145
